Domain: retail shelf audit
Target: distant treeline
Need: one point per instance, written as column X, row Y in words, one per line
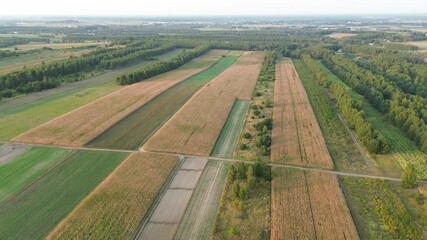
column 48, row 76
column 12, row 41
column 162, row 67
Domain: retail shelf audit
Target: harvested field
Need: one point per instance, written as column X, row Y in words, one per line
column 103, row 214
column 167, row 215
column 341, row 35
column 22, row 113
column 9, row 151
column 199, row 217
column 195, row 128
column 84, row 124
column 296, row 136
column 36, row 210
column 133, row 130
column 226, row 143
column 30, row 164
column 421, row 44
column 309, row 205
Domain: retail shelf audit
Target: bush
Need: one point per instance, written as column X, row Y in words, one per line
column 409, row 178
column 243, row 146
column 247, row 135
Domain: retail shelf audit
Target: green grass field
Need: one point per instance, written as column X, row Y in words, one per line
column 342, row 148
column 35, row 211
column 135, row 129
column 26, row 112
column 403, row 150
column 199, row 218
column 20, row 172
column 227, row 140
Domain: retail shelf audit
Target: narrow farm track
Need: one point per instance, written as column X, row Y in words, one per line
column 231, row 160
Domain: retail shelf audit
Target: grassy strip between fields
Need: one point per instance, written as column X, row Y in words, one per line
column 135, row 129
column 199, row 218
column 21, row 171
column 35, row 211
column 115, row 208
column 227, row 140
column 25, row 115
column 403, row 149
column 244, row 211
column 378, row 211
column 342, row 148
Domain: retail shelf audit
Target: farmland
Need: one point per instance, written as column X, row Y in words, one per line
column 12, row 64
column 226, row 143
column 302, row 210
column 199, row 217
column 166, row 217
column 31, row 46
column 20, row 171
column 38, row 208
column 195, row 128
column 403, row 150
column 130, row 133
column 23, row 110
column 117, row 205
column 344, row 151
column 296, row 136
column 85, row 123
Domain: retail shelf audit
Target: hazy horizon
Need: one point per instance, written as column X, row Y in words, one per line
column 212, row 8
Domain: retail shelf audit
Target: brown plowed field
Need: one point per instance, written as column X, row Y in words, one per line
column 296, row 137
column 78, row 127
column 195, row 128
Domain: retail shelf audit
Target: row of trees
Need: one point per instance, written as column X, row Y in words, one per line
column 350, row 109
column 161, row 67
column 11, row 41
column 407, row 112
column 51, row 75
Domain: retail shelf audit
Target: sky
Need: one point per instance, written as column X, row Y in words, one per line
column 207, row 7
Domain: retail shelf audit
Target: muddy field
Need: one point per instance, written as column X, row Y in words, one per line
column 9, row 151
column 195, row 128
column 167, row 215
column 200, row 215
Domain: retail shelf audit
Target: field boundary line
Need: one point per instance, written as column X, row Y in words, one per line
column 157, row 198
column 13, row 196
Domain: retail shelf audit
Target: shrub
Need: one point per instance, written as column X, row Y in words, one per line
column 409, row 178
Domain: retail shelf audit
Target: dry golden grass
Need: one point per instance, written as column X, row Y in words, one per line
column 341, row 35
column 195, row 128
column 296, row 137
column 78, row 127
column 309, row 205
column 116, row 207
